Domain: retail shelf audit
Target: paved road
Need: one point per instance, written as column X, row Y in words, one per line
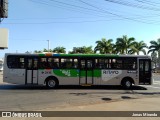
column 19, row 97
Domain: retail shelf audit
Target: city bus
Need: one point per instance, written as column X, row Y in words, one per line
column 77, row 69
column 1, row 65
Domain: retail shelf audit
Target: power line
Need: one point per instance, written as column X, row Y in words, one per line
column 129, row 4
column 87, row 21
column 93, row 8
column 127, row 18
column 100, row 10
column 70, row 8
column 148, row 2
column 23, row 39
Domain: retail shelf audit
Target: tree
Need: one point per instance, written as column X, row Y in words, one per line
column 138, row 47
column 59, row 50
column 124, row 44
column 45, row 50
column 104, row 46
column 154, row 59
column 36, row 51
column 155, row 47
column 82, row 50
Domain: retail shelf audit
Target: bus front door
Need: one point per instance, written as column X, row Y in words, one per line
column 86, row 72
column 31, row 71
column 144, row 71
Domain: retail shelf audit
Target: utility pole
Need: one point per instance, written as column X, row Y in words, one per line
column 48, row 45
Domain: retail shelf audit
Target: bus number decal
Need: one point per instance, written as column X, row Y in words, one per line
column 110, row 74
column 46, row 72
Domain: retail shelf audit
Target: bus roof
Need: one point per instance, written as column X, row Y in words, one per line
column 76, row 55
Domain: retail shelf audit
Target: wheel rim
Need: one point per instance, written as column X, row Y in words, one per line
column 51, row 83
column 128, row 84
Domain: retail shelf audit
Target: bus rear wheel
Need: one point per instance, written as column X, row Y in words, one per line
column 51, row 83
column 127, row 83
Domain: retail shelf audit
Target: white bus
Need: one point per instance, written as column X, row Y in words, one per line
column 77, row 69
column 1, row 65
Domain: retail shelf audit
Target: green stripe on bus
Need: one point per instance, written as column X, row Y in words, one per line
column 88, row 55
column 66, row 72
column 41, row 54
column 83, row 55
column 76, row 73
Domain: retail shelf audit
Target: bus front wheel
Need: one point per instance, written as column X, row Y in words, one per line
column 51, row 83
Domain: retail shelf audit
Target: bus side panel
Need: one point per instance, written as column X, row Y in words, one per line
column 65, row 77
column 1, row 65
column 110, row 77
column 15, row 76
column 114, row 77
column 68, row 81
column 96, row 76
column 43, row 74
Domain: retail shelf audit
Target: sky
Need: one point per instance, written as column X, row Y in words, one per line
column 77, row 23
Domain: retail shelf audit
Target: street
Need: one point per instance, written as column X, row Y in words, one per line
column 23, row 98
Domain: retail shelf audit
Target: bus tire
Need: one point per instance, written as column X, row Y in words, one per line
column 127, row 83
column 51, row 83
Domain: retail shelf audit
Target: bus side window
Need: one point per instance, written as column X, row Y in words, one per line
column 50, row 63
column 66, row 63
column 55, row 63
column 89, row 64
column 96, row 63
column 29, row 63
column 12, row 62
column 62, row 62
column 35, row 63
column 75, row 63
column 43, row 63
column 21, row 62
column 129, row 63
column 118, row 64
column 109, row 63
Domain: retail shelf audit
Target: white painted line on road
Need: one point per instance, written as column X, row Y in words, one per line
column 153, row 87
column 156, row 82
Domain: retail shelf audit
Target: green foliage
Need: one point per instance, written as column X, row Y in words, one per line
column 155, row 46
column 59, row 50
column 124, row 44
column 82, row 50
column 104, row 46
column 138, row 47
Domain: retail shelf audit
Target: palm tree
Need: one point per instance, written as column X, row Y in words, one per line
column 83, row 50
column 59, row 50
column 154, row 59
column 124, row 44
column 138, row 47
column 155, row 47
column 104, row 46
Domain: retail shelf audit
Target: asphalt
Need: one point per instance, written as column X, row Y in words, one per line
column 144, row 104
